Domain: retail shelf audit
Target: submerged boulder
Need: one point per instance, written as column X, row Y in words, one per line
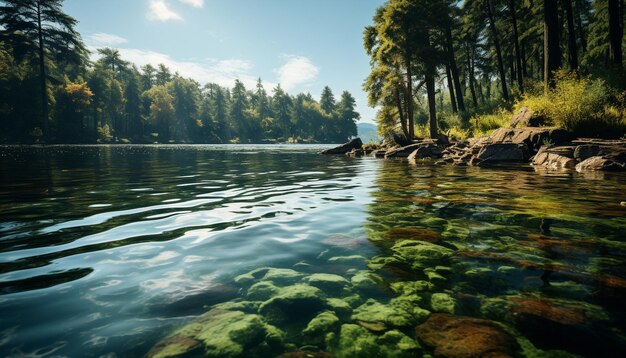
column 420, row 255
column 458, row 336
column 327, row 282
column 299, row 301
column 555, row 157
column 356, row 341
column 389, row 315
column 355, row 143
column 599, row 163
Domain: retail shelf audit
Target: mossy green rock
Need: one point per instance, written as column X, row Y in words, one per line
column 339, row 306
column 282, row 277
column 356, row 341
column 327, row 282
column 316, row 330
column 433, row 222
column 250, row 277
column 397, row 344
column 262, row 291
column 300, row 301
column 391, row 315
column 420, row 255
column 351, row 260
column 365, row 280
column 443, row 303
column 411, row 287
column 222, row 333
column 243, row 306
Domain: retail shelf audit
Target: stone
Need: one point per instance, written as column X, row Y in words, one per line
column 420, row 255
column 391, row 315
column 501, row 153
column 397, row 344
column 355, row 341
column 411, row 287
column 586, row 151
column 243, row 306
column 425, row 151
column 526, row 117
column 293, row 301
column 341, row 307
column 401, row 152
column 281, row 276
column 248, row 278
column 306, row 354
column 533, row 138
column 413, row 234
column 262, row 291
column 599, row 163
column 443, row 303
column 352, row 260
column 365, row 280
column 555, row 158
column 355, row 153
column 221, row 333
column 327, row 282
column 459, row 336
column 379, row 153
column 355, row 143
column 319, row 326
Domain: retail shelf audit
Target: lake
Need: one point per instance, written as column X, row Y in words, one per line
column 109, row 250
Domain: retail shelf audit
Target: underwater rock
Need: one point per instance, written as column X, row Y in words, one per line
column 391, row 315
column 262, row 291
column 435, row 222
column 411, row 287
column 319, row 326
column 356, row 341
column 327, row 282
column 427, row 150
column 555, row 157
column 299, row 300
column 243, row 306
column 365, row 280
column 599, row 163
column 418, row 234
column 459, row 336
column 442, row 302
column 351, row 260
column 306, row 354
column 355, row 143
column 420, row 254
column 341, row 308
column 397, row 344
column 280, row 276
column 221, row 333
column 402, row 152
column 248, row 278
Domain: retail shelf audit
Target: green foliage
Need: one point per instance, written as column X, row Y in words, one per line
column 583, row 105
column 485, row 124
column 104, row 134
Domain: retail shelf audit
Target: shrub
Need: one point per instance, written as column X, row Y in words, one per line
column 486, row 123
column 581, row 105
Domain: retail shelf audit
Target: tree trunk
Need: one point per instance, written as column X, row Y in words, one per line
column 409, row 97
column 432, row 111
column 401, row 113
column 454, row 69
column 572, row 52
column 451, row 89
column 470, row 70
column 551, row 48
column 616, row 32
column 496, row 42
column 579, row 26
column 518, row 56
column 523, row 56
column 42, row 76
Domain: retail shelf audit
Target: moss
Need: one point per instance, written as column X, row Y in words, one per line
column 442, row 302
column 282, row 277
column 301, row 301
column 392, row 315
column 340, row 307
column 352, row 260
column 421, row 255
column 319, row 326
column 327, row 282
column 411, row 287
column 397, row 344
column 244, row 306
column 434, row 277
column 353, row 300
column 365, row 280
column 435, row 222
column 250, row 277
column 262, row 291
column 354, row 341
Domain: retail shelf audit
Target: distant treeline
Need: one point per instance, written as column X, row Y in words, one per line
column 51, row 92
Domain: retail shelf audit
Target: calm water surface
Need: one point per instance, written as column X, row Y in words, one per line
column 105, row 249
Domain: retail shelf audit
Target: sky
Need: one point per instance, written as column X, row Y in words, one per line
column 302, row 44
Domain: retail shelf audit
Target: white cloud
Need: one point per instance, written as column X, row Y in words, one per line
column 101, row 39
column 222, row 72
column 159, row 11
column 194, row 3
column 296, row 71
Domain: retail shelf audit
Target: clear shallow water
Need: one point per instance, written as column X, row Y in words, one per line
column 104, row 250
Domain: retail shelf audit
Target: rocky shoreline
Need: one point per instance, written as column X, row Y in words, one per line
column 551, row 148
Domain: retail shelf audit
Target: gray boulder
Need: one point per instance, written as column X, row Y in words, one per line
column 346, row 147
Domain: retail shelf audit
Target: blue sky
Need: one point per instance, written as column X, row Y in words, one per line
column 302, row 44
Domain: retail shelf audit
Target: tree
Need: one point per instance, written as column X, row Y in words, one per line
column 616, row 31
column 40, row 30
column 72, row 104
column 551, row 47
column 347, row 117
column 572, row 52
column 327, row 100
column 496, row 44
column 162, row 75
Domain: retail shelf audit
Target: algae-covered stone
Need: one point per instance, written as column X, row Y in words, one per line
column 221, row 333
column 442, row 302
column 327, row 282
column 420, row 254
column 353, row 300
column 381, row 262
column 175, row 347
column 339, row 306
column 319, row 326
column 282, row 276
column 434, row 277
column 397, row 344
column 243, row 306
column 356, row 341
column 352, row 260
column 365, row 280
column 434, row 222
column 411, row 287
column 495, row 308
column 411, row 304
column 248, row 278
column 390, row 315
column 262, row 291
column 299, row 301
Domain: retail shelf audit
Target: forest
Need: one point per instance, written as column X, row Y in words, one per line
column 463, row 67
column 51, row 91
